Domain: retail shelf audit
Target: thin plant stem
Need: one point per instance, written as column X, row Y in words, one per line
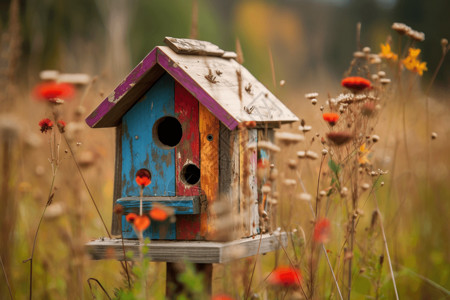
column 119, row 217
column 49, row 200
column 332, row 273
column 386, row 246
column 6, row 278
column 100, row 285
column 140, row 200
column 85, row 184
column 254, row 267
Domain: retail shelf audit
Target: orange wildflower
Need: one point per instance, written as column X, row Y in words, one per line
column 285, row 277
column 46, row 125
column 158, row 214
column 50, row 91
column 412, row 63
column 141, row 223
column 331, row 118
column 131, row 217
column 322, row 231
column 143, row 177
column 356, row 83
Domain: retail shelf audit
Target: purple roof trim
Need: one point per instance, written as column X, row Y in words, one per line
column 189, row 84
column 143, row 67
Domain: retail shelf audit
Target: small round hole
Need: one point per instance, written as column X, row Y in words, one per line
column 167, row 132
column 210, row 137
column 190, row 174
column 143, row 177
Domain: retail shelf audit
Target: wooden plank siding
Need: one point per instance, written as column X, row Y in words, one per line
column 209, row 167
column 117, row 193
column 228, row 184
column 139, row 149
column 248, row 182
column 187, row 152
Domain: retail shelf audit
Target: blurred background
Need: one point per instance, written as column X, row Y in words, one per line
column 312, row 44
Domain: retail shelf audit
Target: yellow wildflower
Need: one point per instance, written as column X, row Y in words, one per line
column 412, row 63
column 363, row 153
column 387, row 53
column 413, row 53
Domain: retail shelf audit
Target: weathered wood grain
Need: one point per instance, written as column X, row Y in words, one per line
column 139, row 149
column 228, row 225
column 187, row 152
column 193, row 47
column 212, row 80
column 192, row 251
column 117, row 193
column 209, row 167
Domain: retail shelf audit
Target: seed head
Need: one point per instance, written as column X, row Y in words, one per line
column 401, row 28
column 434, row 135
column 366, row 50
column 375, row 138
column 359, row 54
column 311, row 95
column 339, row 138
column 365, row 186
column 313, row 101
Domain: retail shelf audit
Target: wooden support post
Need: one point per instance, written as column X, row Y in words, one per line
column 173, row 285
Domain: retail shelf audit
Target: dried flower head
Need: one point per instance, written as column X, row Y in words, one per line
column 143, row 177
column 285, row 277
column 268, row 146
column 331, row 118
column 313, row 101
column 52, row 91
column 416, row 35
column 288, row 137
column 118, row 209
column 401, row 28
column 46, row 125
column 359, row 54
column 434, row 135
column 311, row 95
column 339, row 138
column 356, row 83
column 311, row 155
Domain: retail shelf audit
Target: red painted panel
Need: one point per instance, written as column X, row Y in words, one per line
column 187, row 152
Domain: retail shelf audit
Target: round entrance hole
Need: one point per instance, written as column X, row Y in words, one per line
column 190, row 174
column 167, row 132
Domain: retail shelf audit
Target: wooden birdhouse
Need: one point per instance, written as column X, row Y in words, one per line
column 192, row 116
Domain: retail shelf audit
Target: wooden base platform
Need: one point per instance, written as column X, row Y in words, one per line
column 193, row 251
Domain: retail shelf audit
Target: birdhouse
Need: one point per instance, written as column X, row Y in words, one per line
column 194, row 118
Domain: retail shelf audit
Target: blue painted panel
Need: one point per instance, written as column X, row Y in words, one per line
column 187, row 206
column 139, row 150
column 138, row 147
column 158, row 230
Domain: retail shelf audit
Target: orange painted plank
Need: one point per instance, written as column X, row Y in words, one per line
column 209, row 167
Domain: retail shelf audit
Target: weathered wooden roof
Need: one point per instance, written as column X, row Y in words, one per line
column 212, row 77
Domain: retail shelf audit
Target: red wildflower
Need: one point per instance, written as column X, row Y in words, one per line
column 61, row 126
column 131, row 217
column 46, row 125
column 143, row 177
column 356, row 83
column 50, row 91
column 222, row 297
column 322, row 231
column 285, row 277
column 141, row 223
column 331, row 118
column 158, row 214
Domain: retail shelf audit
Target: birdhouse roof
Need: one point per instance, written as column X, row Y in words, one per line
column 212, row 75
